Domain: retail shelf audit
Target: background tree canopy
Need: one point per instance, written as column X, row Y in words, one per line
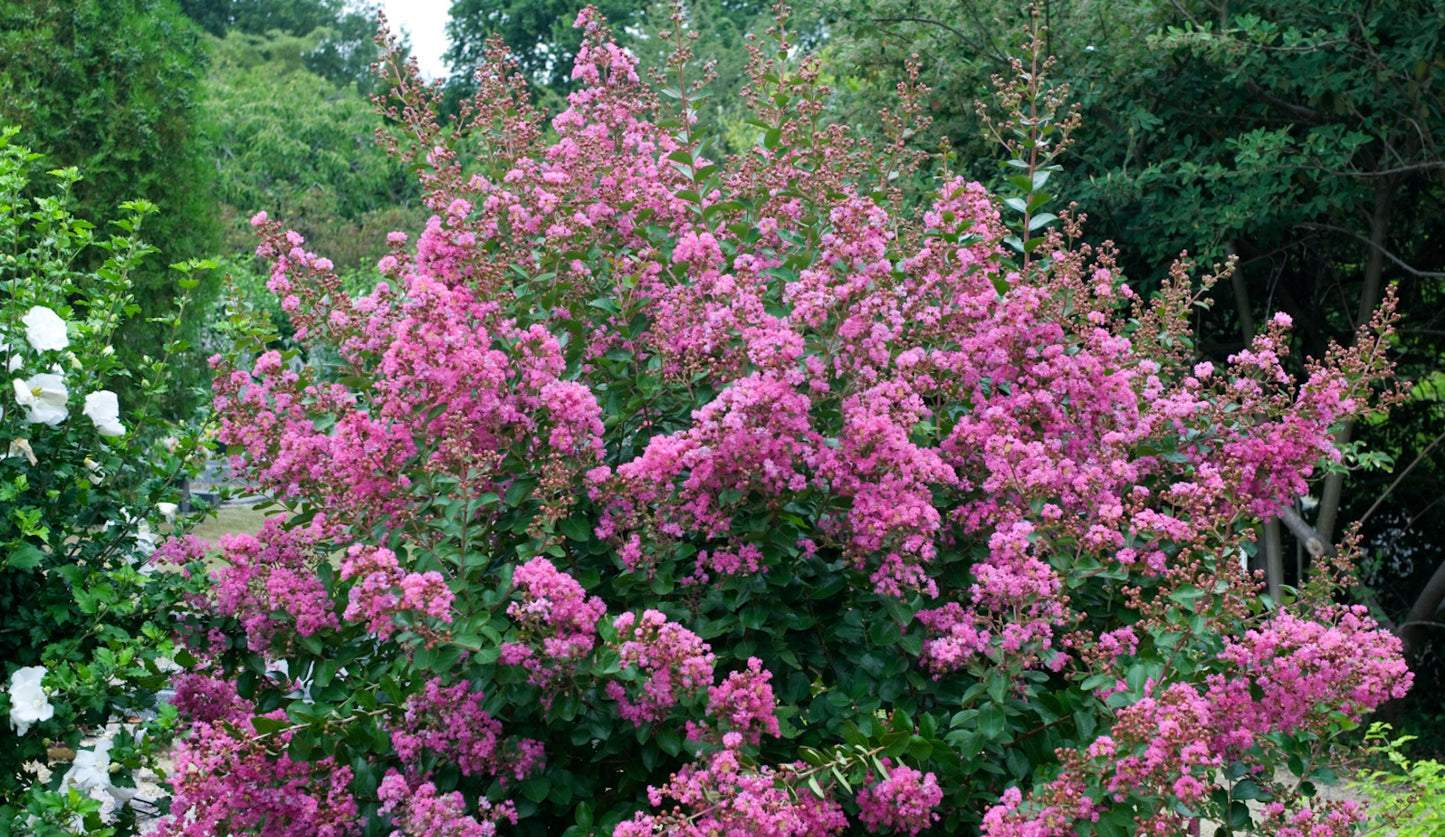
column 540, row 33
column 343, row 31
column 291, row 142
column 112, row 87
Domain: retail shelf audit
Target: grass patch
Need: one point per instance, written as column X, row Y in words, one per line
column 231, row 520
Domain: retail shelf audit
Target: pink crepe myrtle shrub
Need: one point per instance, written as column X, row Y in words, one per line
column 230, row 780
column 664, row 494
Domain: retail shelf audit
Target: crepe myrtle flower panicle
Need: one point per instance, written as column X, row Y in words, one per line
column 28, row 702
column 902, row 801
column 44, row 329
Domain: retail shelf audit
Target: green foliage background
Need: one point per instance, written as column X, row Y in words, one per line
column 113, row 88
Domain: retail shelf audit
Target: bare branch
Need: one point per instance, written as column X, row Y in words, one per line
column 1314, row 544
column 927, row 21
column 1307, row 115
column 1418, row 459
column 1391, row 256
column 1179, row 7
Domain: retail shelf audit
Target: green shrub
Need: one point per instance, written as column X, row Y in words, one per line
column 87, row 481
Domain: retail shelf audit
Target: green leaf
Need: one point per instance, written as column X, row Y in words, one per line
column 26, row 556
column 1250, row 790
column 1041, row 220
column 816, row 788
column 667, row 739
column 576, row 528
column 1239, row 817
column 991, row 721
column 268, row 726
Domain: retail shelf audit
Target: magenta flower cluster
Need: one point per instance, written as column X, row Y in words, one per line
column 420, row 811
column 269, row 583
column 452, row 723
column 556, row 622
column 726, row 797
column 671, row 661
column 225, row 783
column 383, row 590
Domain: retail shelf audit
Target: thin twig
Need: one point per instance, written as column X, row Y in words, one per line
column 1386, row 253
column 1418, row 459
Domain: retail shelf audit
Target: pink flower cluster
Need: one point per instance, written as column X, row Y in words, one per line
column 556, row 620
column 902, row 801
column 1062, row 803
column 721, row 796
column 1291, row 676
column 1333, row 818
column 225, row 782
column 269, row 582
column 384, row 590
column 752, row 437
column 743, row 706
column 1293, row 673
column 1162, row 741
column 451, row 723
column 206, row 700
column 452, row 371
column 419, row 811
column 672, row 660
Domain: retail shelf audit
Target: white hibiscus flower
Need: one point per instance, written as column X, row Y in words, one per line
column 43, row 396
column 28, row 701
column 44, row 329
column 90, row 770
column 103, row 409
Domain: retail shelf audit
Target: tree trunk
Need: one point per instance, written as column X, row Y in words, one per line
column 1422, row 612
column 1273, row 559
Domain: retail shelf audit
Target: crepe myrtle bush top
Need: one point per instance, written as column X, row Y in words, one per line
column 653, row 493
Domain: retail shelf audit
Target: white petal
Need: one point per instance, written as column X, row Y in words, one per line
column 44, row 398
column 44, row 329
column 102, row 407
column 28, row 701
